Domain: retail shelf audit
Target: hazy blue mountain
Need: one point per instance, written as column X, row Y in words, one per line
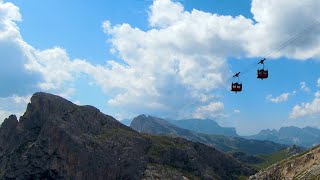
column 205, row 126
column 157, row 126
column 306, row 137
column 126, row 122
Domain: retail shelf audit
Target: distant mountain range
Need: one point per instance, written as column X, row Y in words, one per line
column 205, row 126
column 306, row 137
column 157, row 126
column 56, row 139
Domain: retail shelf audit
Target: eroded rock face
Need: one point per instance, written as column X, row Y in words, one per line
column 6, row 131
column 56, row 139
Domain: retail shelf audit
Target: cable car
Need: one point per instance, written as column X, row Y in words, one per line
column 237, row 86
column 262, row 73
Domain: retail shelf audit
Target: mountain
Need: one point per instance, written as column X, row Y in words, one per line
column 302, row 166
column 205, row 126
column 56, row 139
column 306, row 137
column 126, row 122
column 157, row 126
column 269, row 159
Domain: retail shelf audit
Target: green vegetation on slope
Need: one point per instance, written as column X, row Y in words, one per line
column 273, row 158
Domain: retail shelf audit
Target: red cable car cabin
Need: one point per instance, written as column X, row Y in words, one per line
column 236, row 87
column 262, row 74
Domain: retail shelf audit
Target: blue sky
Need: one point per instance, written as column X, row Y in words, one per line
column 130, row 57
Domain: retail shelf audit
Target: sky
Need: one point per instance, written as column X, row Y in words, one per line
column 171, row 59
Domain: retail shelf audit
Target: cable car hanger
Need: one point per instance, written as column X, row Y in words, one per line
column 262, row 73
column 237, row 86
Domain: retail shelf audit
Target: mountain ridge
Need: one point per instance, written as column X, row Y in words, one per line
column 306, row 137
column 158, row 126
column 206, row 126
column 56, row 139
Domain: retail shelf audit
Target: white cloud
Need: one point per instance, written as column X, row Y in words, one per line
column 9, row 12
column 191, row 47
column 13, row 105
column 282, row 20
column 303, row 86
column 319, row 82
column 282, row 98
column 307, row 109
column 237, row 111
column 164, row 13
column 212, row 110
column 181, row 58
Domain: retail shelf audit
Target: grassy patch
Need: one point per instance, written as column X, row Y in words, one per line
column 270, row 159
column 242, row 177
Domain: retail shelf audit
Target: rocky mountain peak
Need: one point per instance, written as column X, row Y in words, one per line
column 10, row 123
column 56, row 139
column 6, row 130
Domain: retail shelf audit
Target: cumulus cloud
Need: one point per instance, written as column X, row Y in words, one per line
column 179, row 60
column 212, row 110
column 190, row 48
column 282, row 20
column 307, row 109
column 282, row 98
column 14, row 78
column 303, row 87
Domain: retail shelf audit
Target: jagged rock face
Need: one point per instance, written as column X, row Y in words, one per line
column 56, row 139
column 301, row 166
column 6, row 131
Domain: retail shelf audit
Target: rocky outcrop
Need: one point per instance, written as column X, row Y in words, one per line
column 6, row 131
column 301, row 166
column 294, row 150
column 56, row 139
column 246, row 158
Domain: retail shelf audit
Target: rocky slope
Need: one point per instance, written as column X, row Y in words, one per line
column 306, row 137
column 270, row 159
column 56, row 139
column 302, row 166
column 157, row 126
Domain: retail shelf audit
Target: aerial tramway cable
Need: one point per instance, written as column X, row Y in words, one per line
column 249, row 68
